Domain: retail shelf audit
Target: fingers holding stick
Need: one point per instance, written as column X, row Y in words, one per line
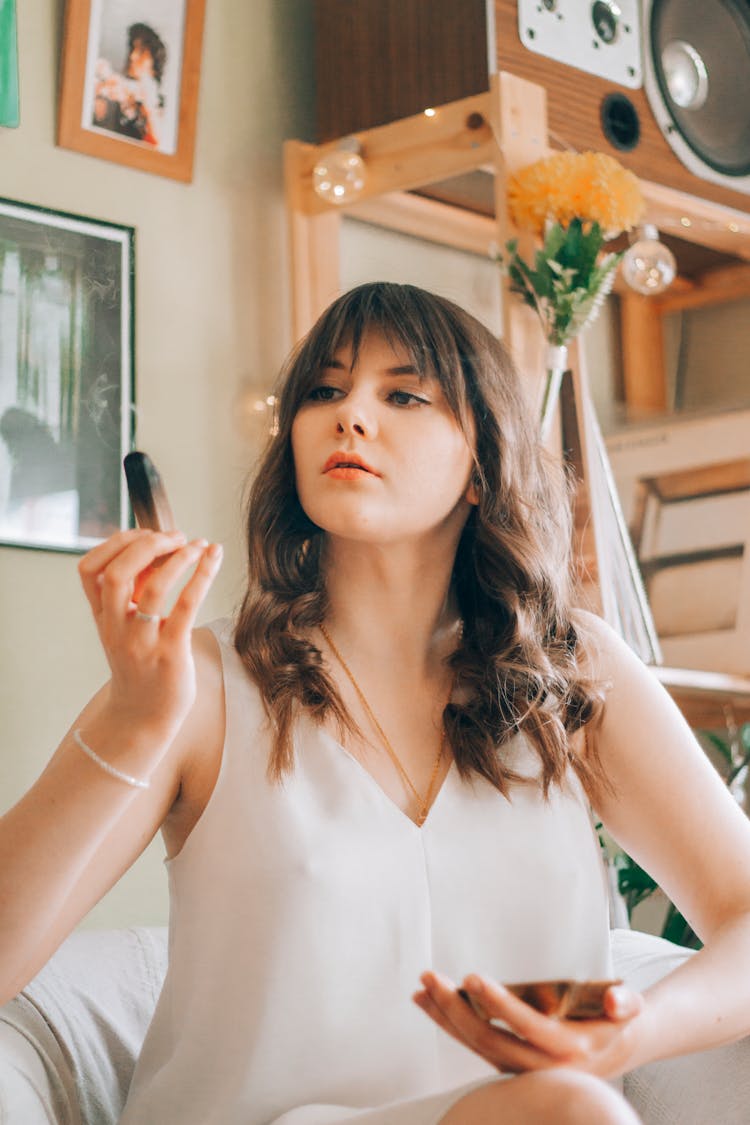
column 182, row 618
column 158, row 584
column 122, row 557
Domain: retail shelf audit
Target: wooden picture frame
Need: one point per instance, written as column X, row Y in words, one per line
column 127, row 97
column 66, row 377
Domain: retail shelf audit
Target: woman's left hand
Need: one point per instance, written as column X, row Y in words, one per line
column 530, row 1040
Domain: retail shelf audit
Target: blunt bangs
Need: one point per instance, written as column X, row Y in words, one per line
column 438, row 337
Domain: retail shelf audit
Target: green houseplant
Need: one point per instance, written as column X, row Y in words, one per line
column 732, row 752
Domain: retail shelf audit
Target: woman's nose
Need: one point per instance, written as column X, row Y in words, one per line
column 355, row 417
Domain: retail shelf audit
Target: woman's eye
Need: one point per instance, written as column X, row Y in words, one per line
column 323, row 393
column 406, row 398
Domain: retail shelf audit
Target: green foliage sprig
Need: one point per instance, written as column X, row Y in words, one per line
column 567, row 284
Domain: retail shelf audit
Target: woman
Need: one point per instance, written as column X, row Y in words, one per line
column 381, row 772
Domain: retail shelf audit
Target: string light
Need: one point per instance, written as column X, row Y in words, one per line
column 648, row 266
column 256, row 411
column 340, row 174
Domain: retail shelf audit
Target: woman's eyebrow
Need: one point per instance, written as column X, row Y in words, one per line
column 399, row 369
column 403, row 369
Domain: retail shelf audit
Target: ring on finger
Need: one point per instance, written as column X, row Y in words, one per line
column 141, row 616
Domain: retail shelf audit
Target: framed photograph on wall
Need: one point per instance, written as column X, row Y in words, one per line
column 129, row 86
column 66, row 377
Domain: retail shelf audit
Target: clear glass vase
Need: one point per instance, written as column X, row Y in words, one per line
column 557, row 362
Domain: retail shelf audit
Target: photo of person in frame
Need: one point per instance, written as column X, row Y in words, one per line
column 134, row 61
column 132, row 103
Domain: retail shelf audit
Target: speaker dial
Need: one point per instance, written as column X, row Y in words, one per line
column 606, row 16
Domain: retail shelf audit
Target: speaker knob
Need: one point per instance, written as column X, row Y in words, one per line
column 606, row 16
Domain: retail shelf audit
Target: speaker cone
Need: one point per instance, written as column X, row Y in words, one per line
column 698, row 84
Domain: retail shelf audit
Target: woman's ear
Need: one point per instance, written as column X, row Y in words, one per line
column 472, row 490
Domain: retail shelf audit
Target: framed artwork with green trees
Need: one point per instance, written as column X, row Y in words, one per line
column 66, row 376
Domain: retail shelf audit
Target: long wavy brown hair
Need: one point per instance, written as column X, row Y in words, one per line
column 519, row 663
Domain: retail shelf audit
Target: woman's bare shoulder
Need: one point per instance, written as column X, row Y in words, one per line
column 203, row 741
column 207, row 656
column 603, row 653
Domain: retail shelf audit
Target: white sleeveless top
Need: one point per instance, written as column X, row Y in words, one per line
column 303, row 913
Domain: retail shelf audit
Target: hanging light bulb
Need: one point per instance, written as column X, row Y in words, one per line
column 648, row 265
column 340, row 175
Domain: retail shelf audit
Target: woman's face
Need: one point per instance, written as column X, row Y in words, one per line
column 378, row 454
column 140, row 61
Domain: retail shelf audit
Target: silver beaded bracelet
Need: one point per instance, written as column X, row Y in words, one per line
column 111, row 770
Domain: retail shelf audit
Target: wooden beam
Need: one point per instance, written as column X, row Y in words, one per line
column 429, row 219
column 313, row 248
column 697, row 220
column 707, row 699
column 412, row 152
column 644, row 369
column 518, row 112
column 715, row 287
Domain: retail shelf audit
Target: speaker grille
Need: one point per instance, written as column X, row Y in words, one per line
column 700, row 54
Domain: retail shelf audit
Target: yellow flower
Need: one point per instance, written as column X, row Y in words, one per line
column 590, row 186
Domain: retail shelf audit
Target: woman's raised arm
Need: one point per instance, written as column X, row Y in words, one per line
column 116, row 774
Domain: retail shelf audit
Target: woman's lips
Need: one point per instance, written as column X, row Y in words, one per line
column 346, row 465
column 347, row 472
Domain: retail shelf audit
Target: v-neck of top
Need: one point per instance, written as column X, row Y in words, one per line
column 327, row 737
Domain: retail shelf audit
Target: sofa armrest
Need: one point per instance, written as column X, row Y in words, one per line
column 36, row 1083
column 69, row 1040
column 698, row 1089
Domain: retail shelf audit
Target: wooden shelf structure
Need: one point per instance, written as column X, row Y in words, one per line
column 708, row 700
column 420, row 171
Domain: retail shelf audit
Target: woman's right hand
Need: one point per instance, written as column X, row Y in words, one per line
column 128, row 580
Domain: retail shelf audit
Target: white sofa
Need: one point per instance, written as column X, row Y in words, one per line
column 68, row 1042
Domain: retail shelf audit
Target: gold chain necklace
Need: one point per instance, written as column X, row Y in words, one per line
column 423, row 802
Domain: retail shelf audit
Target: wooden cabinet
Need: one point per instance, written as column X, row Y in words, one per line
column 381, row 60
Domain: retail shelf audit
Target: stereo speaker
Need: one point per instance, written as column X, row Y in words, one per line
column 697, row 77
column 687, row 127
column 663, row 85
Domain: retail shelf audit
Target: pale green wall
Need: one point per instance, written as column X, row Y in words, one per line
column 211, row 314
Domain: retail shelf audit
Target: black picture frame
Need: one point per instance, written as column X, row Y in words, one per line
column 67, row 286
